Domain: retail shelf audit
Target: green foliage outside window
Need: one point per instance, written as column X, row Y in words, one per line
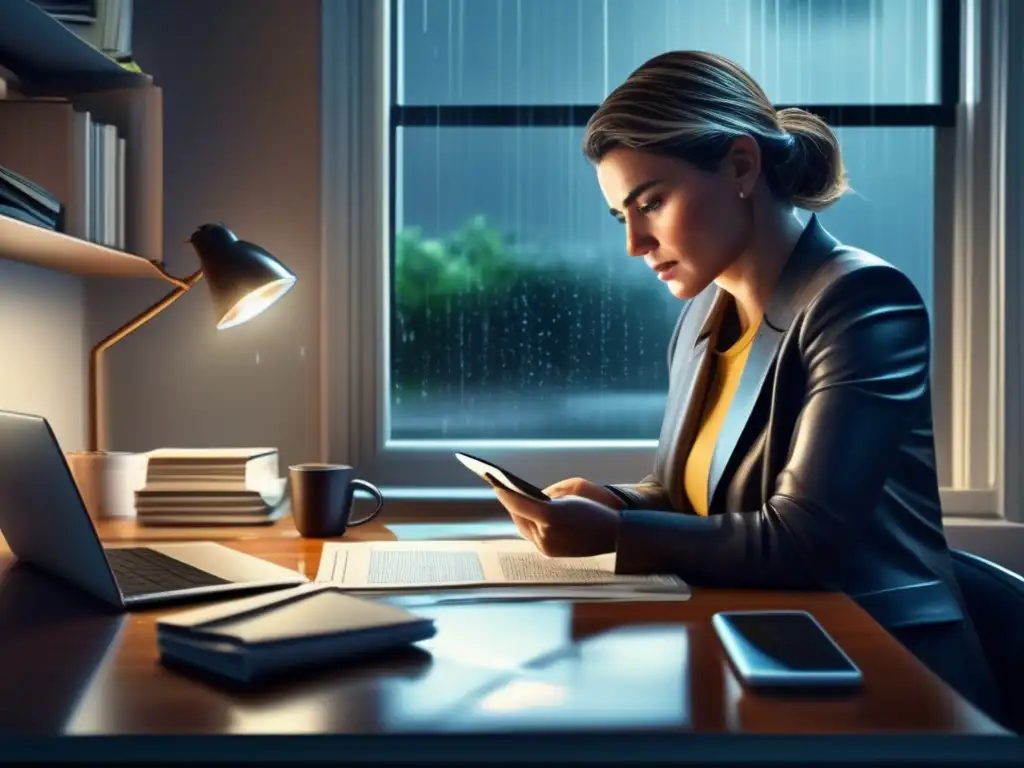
column 472, row 313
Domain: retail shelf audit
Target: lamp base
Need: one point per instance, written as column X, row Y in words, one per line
column 107, row 481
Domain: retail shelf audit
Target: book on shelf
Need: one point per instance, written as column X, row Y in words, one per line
column 25, row 193
column 29, row 202
column 79, row 11
column 212, row 486
column 19, row 212
column 105, row 24
column 78, row 161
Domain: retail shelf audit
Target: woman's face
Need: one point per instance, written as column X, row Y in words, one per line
column 688, row 225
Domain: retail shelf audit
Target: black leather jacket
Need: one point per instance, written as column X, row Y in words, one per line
column 824, row 473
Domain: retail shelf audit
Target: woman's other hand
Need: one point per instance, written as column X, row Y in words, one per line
column 577, row 486
column 568, row 526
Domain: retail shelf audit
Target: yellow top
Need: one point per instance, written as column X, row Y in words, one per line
column 728, row 366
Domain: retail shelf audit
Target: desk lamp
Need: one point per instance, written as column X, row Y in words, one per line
column 244, row 280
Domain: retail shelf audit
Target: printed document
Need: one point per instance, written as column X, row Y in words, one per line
column 421, row 565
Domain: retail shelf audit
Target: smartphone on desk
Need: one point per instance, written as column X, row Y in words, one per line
column 784, row 650
column 502, row 477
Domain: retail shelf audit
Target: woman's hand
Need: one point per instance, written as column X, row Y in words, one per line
column 577, row 486
column 568, row 526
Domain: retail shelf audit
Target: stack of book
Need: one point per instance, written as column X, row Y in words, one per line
column 80, row 179
column 23, row 200
column 212, row 486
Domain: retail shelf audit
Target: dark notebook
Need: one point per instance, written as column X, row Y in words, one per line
column 268, row 635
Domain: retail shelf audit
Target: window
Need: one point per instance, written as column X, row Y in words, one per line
column 504, row 314
column 516, row 314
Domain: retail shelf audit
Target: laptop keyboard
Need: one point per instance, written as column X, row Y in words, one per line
column 143, row 571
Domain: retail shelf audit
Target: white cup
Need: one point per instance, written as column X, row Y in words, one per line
column 107, row 481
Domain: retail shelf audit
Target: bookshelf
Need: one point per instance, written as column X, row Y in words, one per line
column 40, row 59
column 54, row 250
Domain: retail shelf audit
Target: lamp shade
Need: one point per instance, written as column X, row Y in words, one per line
column 244, row 279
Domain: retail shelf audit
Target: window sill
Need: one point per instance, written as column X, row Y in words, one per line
column 441, row 504
column 980, row 521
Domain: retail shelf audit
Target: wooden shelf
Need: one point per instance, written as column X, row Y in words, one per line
column 54, row 250
column 50, row 59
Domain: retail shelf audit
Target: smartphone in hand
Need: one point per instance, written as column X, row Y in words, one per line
column 502, row 477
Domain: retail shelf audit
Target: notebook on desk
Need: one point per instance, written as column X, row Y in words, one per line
column 263, row 636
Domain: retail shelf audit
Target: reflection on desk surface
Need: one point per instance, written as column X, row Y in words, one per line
column 65, row 633
column 474, row 647
column 400, row 692
column 629, row 678
column 487, row 676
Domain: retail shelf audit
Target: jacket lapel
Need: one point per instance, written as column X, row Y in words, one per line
column 810, row 252
column 691, row 369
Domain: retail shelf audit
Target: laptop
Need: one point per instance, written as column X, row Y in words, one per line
column 45, row 523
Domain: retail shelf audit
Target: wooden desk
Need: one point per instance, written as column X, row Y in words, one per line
column 95, row 673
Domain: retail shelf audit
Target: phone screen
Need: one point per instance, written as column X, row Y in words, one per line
column 793, row 641
column 502, row 477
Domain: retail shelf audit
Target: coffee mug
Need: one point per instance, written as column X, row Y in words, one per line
column 321, row 499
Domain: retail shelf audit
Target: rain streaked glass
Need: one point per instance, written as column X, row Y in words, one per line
column 516, row 314
column 576, row 51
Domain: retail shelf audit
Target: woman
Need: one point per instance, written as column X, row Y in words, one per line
column 796, row 450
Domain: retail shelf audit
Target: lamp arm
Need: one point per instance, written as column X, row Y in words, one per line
column 96, row 380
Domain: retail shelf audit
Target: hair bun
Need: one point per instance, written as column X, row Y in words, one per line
column 813, row 176
column 691, row 105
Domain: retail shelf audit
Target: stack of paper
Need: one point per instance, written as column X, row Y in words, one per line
column 212, row 486
column 445, row 571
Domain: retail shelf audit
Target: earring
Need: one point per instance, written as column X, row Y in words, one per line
column 741, row 194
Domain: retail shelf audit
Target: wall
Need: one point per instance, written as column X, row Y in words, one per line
column 240, row 83
column 42, row 352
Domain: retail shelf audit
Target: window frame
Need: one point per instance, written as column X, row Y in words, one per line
column 360, row 124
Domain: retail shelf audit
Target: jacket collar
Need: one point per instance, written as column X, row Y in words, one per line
column 810, row 252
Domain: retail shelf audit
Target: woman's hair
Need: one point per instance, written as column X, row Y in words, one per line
column 691, row 105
